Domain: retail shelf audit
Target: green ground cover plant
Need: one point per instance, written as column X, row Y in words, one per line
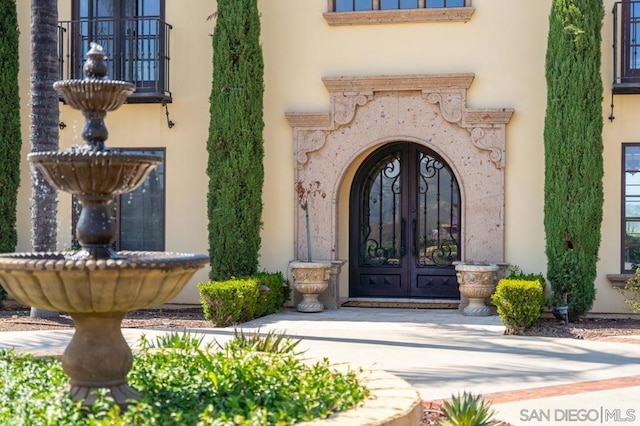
column 184, row 383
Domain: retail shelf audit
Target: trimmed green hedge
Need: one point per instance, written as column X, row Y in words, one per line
column 243, row 299
column 519, row 303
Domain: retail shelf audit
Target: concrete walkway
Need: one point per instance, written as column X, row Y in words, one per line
column 530, row 380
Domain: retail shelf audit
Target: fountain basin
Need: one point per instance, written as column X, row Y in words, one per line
column 97, row 294
column 94, row 94
column 82, row 171
column 58, row 282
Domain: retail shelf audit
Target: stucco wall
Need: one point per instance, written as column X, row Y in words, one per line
column 503, row 45
column 145, row 125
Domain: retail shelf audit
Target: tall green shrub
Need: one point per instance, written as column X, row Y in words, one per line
column 10, row 136
column 235, row 145
column 573, row 151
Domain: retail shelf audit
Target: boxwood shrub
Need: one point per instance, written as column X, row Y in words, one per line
column 515, row 273
column 243, row 299
column 519, row 303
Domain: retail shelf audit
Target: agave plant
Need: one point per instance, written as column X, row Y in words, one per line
column 467, row 410
column 174, row 340
column 273, row 342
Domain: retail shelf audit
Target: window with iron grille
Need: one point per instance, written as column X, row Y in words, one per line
column 367, row 12
column 135, row 37
column 630, row 207
column 140, row 214
column 359, row 5
column 626, row 47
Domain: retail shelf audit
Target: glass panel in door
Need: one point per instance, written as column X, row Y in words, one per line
column 436, row 227
column 380, row 231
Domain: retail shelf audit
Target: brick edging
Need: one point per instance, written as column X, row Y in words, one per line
column 554, row 390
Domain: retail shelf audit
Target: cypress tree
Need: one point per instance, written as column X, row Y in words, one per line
column 235, row 144
column 573, row 152
column 10, row 136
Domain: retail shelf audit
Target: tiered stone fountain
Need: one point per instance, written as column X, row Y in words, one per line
column 96, row 286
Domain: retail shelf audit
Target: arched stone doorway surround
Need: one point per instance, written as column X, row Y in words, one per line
column 367, row 112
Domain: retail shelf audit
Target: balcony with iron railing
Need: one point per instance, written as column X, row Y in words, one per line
column 626, row 47
column 138, row 52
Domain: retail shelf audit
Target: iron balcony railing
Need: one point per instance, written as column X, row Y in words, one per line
column 138, row 52
column 626, row 47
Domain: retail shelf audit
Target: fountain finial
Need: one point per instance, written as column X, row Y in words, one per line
column 95, row 65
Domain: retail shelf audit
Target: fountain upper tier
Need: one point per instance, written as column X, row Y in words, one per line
column 94, row 96
column 94, row 92
column 95, row 174
column 91, row 172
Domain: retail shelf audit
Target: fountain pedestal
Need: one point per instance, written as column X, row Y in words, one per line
column 98, row 357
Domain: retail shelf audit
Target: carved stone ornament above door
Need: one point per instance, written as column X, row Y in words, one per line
column 367, row 112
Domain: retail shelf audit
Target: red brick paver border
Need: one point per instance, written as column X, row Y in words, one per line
column 556, row 390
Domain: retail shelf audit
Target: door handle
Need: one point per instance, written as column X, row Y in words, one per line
column 403, row 230
column 414, row 247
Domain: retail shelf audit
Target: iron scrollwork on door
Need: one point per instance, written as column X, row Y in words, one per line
column 382, row 230
column 436, row 230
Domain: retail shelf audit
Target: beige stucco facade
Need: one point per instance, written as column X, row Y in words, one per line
column 500, row 48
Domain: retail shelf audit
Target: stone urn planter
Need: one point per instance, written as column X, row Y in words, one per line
column 310, row 279
column 477, row 282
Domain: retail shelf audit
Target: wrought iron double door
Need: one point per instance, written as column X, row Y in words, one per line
column 404, row 225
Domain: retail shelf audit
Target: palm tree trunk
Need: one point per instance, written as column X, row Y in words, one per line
column 44, row 118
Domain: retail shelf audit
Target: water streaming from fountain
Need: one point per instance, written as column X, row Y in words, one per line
column 96, row 285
